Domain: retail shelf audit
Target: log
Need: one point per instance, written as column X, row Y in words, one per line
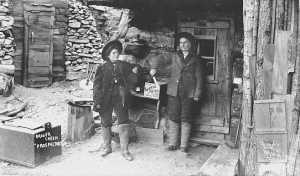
column 7, row 69
column 264, row 35
column 246, row 163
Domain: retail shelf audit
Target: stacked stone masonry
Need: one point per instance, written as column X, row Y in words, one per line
column 84, row 43
column 7, row 44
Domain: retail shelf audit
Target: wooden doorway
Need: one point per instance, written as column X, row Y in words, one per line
column 39, row 21
column 213, row 48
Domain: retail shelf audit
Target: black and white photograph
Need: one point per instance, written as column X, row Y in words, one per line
column 149, row 88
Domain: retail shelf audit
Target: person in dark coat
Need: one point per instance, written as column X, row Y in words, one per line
column 112, row 84
column 184, row 86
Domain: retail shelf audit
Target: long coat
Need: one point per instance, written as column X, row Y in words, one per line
column 188, row 72
column 107, row 77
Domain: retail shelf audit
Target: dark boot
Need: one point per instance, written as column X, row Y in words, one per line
column 124, row 141
column 105, row 148
column 185, row 136
column 173, row 133
column 106, row 134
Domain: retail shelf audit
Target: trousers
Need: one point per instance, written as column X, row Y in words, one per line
column 116, row 103
column 180, row 108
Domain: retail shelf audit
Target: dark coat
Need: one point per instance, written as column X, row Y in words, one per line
column 188, row 72
column 105, row 83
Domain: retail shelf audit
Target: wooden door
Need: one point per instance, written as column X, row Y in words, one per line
column 212, row 113
column 38, row 45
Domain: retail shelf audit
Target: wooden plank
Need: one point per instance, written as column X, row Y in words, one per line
column 204, row 119
column 272, row 147
column 18, row 64
column 205, row 141
column 29, row 7
column 221, row 163
column 211, row 129
column 41, row 71
column 291, row 119
column 278, row 116
column 278, row 100
column 39, row 59
column 271, row 169
column 261, row 115
column 269, row 52
column 280, row 66
column 204, row 135
column 270, row 115
column 217, row 24
column 292, row 52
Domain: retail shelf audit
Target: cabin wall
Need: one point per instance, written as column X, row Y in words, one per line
column 271, row 77
column 61, row 12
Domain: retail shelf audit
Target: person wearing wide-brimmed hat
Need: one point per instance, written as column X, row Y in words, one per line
column 113, row 81
column 184, row 86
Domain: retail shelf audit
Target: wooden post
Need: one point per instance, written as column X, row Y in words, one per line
column 248, row 12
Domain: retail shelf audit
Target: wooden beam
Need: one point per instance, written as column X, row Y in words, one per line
column 205, row 141
column 245, row 161
column 211, row 129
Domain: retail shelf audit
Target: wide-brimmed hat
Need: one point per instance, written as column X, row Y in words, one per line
column 115, row 44
column 186, row 35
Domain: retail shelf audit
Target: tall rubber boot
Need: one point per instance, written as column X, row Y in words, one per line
column 106, row 135
column 185, row 136
column 124, row 141
column 173, row 133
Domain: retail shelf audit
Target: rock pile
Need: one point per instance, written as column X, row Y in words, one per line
column 7, row 45
column 84, row 43
column 89, row 28
column 7, row 49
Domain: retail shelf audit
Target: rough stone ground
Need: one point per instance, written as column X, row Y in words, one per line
column 49, row 104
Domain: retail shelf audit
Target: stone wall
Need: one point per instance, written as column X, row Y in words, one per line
column 83, row 40
column 7, row 44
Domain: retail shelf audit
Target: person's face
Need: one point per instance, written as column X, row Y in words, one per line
column 184, row 44
column 114, row 55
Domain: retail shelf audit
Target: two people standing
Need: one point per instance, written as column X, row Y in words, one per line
column 113, row 81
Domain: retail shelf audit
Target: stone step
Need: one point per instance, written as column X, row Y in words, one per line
column 222, row 162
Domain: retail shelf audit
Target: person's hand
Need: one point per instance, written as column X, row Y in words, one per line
column 196, row 99
column 97, row 107
column 135, row 70
column 153, row 72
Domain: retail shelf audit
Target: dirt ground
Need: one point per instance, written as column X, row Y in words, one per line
column 50, row 105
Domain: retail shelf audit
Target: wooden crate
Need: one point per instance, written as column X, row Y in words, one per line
column 272, row 147
column 80, row 121
column 29, row 145
column 263, row 169
column 270, row 115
